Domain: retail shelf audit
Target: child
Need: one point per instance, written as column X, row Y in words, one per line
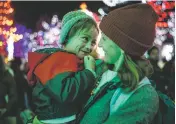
column 62, row 85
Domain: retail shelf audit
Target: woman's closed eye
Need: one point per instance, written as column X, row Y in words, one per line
column 93, row 43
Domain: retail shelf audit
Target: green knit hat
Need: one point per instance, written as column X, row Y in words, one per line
column 69, row 20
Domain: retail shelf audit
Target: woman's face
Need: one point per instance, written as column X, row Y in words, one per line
column 83, row 42
column 111, row 50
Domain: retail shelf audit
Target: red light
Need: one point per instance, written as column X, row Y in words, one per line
column 165, row 25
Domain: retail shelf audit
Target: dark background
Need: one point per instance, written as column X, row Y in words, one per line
column 29, row 12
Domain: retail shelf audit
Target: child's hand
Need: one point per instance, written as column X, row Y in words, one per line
column 89, row 62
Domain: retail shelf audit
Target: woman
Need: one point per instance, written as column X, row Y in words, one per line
column 124, row 94
column 63, row 85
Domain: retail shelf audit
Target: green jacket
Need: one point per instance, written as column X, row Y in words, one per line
column 140, row 108
column 61, row 88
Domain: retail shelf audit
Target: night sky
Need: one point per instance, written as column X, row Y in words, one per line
column 28, row 13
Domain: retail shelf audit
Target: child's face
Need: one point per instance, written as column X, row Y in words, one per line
column 83, row 42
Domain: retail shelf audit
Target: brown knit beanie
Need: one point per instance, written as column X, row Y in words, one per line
column 131, row 27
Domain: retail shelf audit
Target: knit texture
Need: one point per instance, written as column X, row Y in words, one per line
column 68, row 21
column 131, row 27
column 140, row 108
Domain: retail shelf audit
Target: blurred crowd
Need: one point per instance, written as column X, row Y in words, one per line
column 163, row 75
column 15, row 93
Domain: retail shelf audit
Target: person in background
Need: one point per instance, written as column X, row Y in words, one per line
column 124, row 94
column 154, row 58
column 23, row 89
column 61, row 84
column 169, row 74
column 21, row 82
column 159, row 77
column 8, row 95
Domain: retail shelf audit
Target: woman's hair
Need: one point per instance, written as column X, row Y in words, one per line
column 83, row 24
column 133, row 71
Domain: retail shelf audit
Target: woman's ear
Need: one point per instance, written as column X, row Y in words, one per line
column 119, row 61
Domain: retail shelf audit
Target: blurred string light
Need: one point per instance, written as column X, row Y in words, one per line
column 5, row 12
column 10, row 47
column 1, row 43
column 48, row 37
column 166, row 21
column 5, row 24
column 102, row 12
column 8, row 32
column 113, row 3
column 21, row 45
column 165, row 27
column 167, row 51
column 83, row 7
column 45, row 25
column 54, row 20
